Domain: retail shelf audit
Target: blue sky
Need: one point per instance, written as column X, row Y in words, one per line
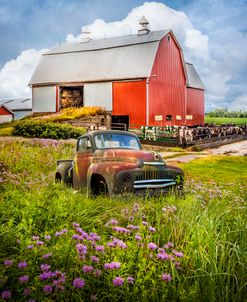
column 213, row 35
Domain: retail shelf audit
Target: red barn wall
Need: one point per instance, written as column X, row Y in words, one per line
column 4, row 111
column 167, row 90
column 195, row 106
column 129, row 98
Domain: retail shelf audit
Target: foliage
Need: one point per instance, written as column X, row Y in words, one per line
column 224, row 112
column 7, row 131
column 44, row 129
column 72, row 113
column 225, row 120
column 207, row 227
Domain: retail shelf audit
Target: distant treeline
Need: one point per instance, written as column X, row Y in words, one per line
column 226, row 113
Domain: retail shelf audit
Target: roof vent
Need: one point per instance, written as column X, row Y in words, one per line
column 143, row 26
column 86, row 35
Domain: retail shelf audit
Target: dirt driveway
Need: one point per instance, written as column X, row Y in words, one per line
column 235, row 149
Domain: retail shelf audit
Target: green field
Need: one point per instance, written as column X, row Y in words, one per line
column 225, row 120
column 172, row 248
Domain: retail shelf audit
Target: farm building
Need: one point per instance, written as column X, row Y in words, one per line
column 140, row 79
column 6, row 115
column 20, row 107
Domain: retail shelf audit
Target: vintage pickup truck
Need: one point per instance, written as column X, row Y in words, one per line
column 113, row 162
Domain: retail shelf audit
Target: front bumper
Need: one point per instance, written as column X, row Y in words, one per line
column 152, row 180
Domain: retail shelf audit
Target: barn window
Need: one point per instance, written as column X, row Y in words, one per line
column 168, row 38
column 168, row 117
column 71, row 97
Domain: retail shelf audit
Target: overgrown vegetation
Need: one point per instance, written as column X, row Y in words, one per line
column 224, row 112
column 75, row 113
column 56, row 245
column 44, row 129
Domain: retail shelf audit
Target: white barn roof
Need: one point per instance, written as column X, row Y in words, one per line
column 117, row 58
column 20, row 104
column 193, row 79
column 126, row 57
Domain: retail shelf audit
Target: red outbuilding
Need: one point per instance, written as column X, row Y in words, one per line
column 6, row 115
column 141, row 79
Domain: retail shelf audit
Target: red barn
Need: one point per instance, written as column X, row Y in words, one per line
column 141, row 79
column 6, row 115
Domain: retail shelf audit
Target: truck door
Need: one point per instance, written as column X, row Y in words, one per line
column 83, row 159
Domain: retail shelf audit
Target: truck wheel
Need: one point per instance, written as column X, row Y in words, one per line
column 98, row 185
column 58, row 178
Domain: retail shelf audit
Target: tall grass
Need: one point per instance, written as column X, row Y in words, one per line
column 207, row 226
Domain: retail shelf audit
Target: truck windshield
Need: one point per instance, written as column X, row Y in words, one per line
column 116, row 140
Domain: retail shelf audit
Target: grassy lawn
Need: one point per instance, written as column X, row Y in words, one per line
column 225, row 120
column 171, row 248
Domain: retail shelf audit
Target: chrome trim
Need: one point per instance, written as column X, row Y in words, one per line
column 154, row 163
column 154, row 186
column 152, row 180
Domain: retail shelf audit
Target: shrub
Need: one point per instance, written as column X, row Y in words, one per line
column 44, row 129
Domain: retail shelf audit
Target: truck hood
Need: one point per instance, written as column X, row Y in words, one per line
column 139, row 157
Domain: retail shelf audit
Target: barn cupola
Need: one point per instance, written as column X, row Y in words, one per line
column 144, row 30
column 86, row 35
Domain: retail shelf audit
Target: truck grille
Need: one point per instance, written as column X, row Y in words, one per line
column 154, row 180
column 146, row 175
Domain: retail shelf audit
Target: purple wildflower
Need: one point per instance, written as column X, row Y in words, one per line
column 152, row 246
column 118, row 281
column 133, row 227
column 112, row 265
column 81, row 249
column 46, row 256
column 112, row 222
column 145, row 223
column 76, row 225
column 23, row 279
column 95, row 259
column 76, row 237
column 39, row 243
column 58, row 234
column 78, row 283
column 35, row 238
column 8, row 262
column 178, row 265
column 93, row 237
column 30, row 246
column 170, row 244
column 87, row 268
column 166, row 277
column 45, row 276
column 152, row 230
column 98, row 273
column 6, row 294
column 163, row 256
column 27, row 292
column 47, row 237
column 45, row 267
column 130, row 280
column 138, row 237
column 22, row 265
column 178, row 254
column 121, row 230
column 59, row 287
column 47, row 289
column 99, row 248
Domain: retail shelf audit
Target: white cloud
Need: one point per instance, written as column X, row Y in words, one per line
column 240, row 103
column 160, row 17
column 15, row 74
